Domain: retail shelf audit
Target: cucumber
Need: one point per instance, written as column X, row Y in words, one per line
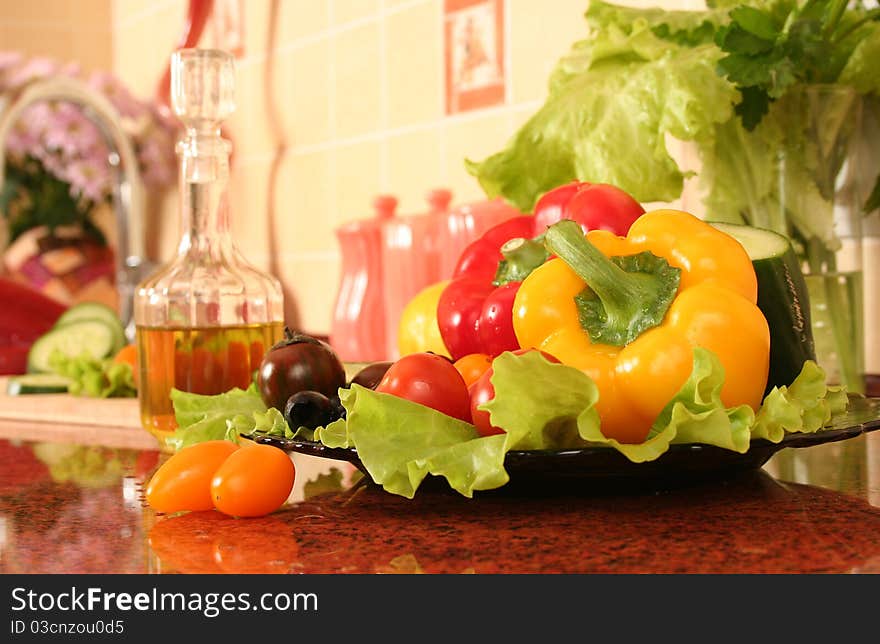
column 95, row 311
column 782, row 298
column 37, row 383
column 94, row 337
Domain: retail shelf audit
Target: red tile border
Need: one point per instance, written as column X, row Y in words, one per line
column 474, row 54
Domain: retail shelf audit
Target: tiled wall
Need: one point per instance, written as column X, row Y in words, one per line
column 62, row 29
column 359, row 89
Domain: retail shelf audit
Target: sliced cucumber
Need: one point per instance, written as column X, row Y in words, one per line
column 37, row 383
column 95, row 311
column 95, row 337
column 782, row 297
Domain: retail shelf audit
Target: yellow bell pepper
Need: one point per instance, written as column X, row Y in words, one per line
column 628, row 311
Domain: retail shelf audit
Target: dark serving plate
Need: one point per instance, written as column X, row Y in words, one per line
column 687, row 462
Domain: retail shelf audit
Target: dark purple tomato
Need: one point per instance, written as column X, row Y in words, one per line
column 299, row 363
column 371, row 375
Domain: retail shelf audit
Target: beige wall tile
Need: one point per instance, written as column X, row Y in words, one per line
column 33, row 12
column 36, row 40
column 313, row 283
column 60, row 35
column 302, row 19
column 252, row 130
column 356, row 85
column 256, row 22
column 303, row 207
column 344, row 11
column 143, row 47
column 537, row 45
column 415, row 64
column 357, row 180
column 249, row 207
column 94, row 50
column 302, row 88
column 126, row 8
column 473, row 138
column 90, row 12
column 391, row 5
column 415, row 167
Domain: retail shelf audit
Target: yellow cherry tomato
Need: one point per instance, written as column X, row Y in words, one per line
column 418, row 331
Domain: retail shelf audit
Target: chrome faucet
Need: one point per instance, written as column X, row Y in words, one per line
column 128, row 191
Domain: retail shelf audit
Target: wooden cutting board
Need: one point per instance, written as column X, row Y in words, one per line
column 111, row 421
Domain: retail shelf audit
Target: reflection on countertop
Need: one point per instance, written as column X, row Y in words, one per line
column 67, row 508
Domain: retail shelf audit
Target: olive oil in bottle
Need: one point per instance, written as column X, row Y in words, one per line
column 204, row 320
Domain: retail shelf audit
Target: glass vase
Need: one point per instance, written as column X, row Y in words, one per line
column 798, row 173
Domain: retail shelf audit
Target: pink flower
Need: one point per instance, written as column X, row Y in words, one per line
column 70, row 147
column 27, row 133
column 70, row 131
column 89, row 178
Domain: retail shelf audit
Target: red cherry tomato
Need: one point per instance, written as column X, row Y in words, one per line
column 482, row 392
column 430, row 380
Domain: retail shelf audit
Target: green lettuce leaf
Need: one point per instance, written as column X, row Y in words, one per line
column 400, row 442
column 612, row 103
column 207, row 417
column 804, row 406
column 93, row 377
column 270, row 422
column 697, row 413
column 541, row 404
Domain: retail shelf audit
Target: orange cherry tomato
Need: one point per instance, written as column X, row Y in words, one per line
column 472, row 366
column 253, row 482
column 128, row 355
column 183, row 482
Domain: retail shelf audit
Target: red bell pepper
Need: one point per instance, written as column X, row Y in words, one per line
column 25, row 315
column 461, row 304
column 474, row 311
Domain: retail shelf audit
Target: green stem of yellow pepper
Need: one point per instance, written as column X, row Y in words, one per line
column 625, row 296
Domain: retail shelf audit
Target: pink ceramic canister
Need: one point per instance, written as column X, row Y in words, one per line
column 358, row 332
column 412, row 247
column 463, row 224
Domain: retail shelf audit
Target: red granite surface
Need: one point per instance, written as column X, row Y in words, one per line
column 76, row 509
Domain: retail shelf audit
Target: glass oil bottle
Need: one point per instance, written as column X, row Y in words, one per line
column 205, row 320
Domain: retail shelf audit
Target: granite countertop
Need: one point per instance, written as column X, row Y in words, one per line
column 68, row 507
